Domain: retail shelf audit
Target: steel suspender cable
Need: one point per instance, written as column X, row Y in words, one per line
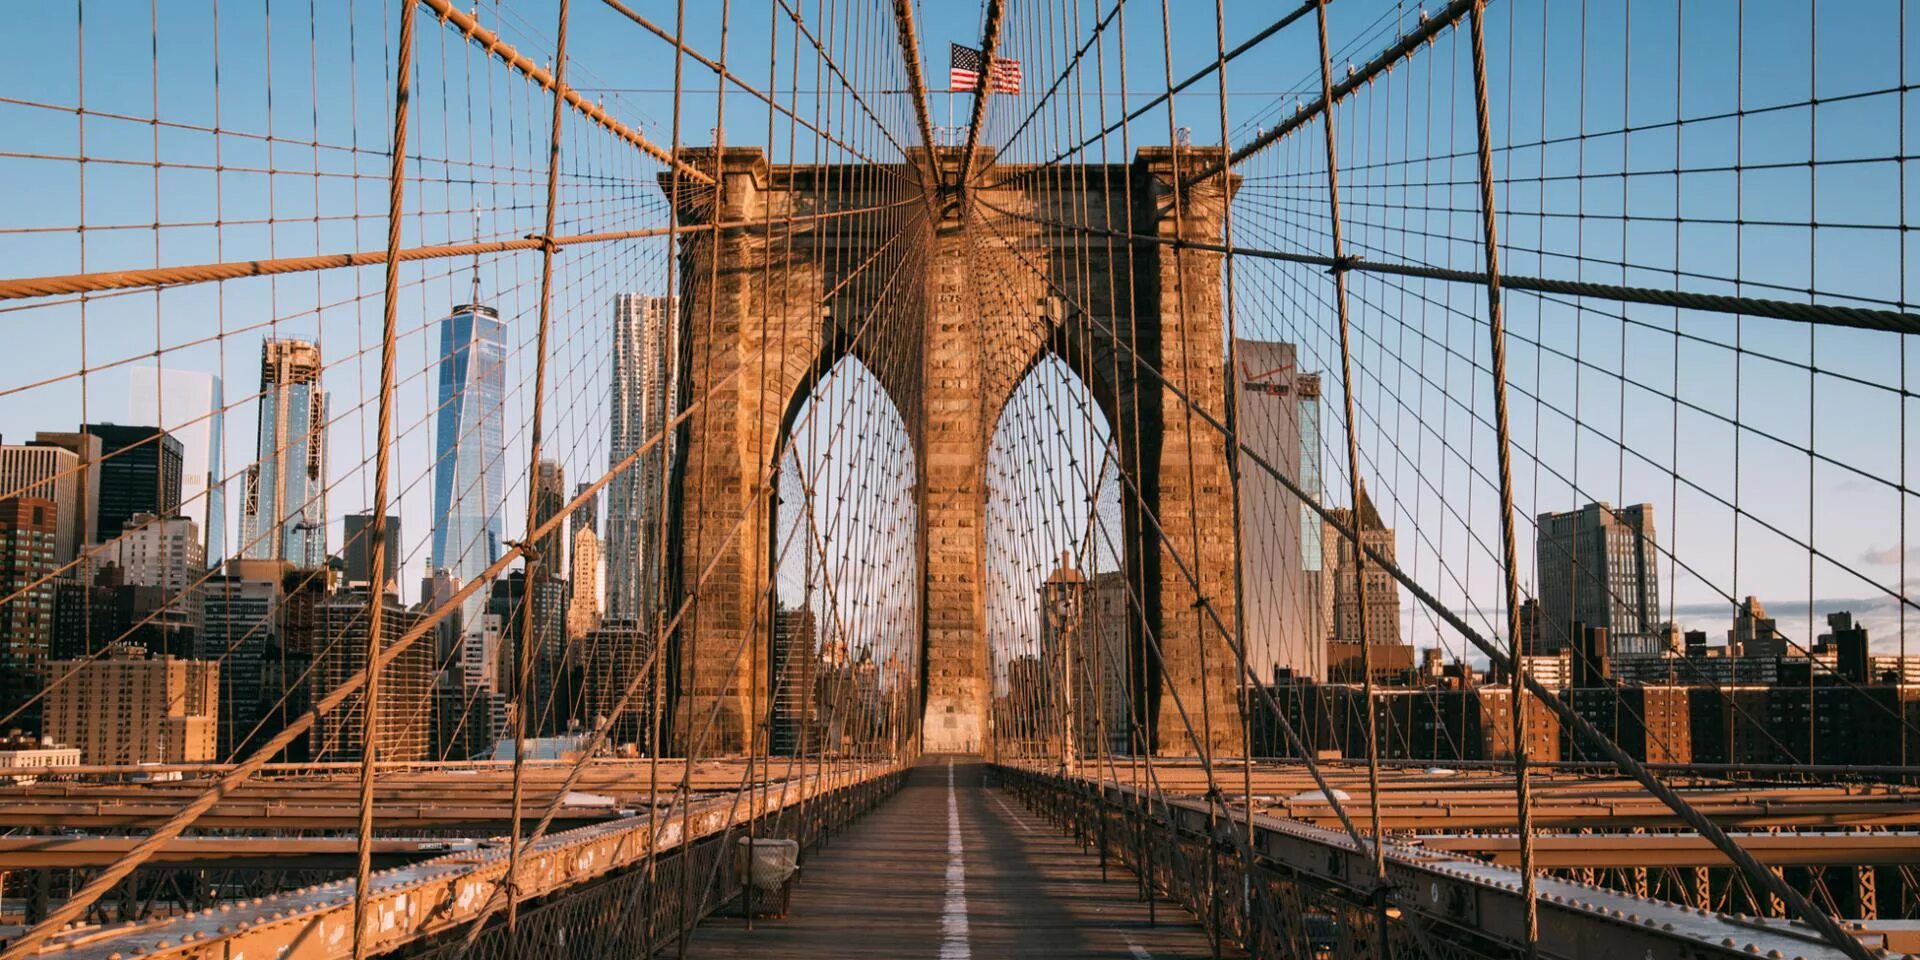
column 1497, row 334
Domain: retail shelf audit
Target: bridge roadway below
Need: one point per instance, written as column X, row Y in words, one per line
column 954, row 867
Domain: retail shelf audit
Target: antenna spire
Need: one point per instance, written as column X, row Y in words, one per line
column 475, row 299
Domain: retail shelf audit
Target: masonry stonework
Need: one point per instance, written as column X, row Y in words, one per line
column 997, row 287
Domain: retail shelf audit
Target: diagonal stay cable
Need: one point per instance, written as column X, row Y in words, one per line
column 46, row 286
column 983, row 89
column 1360, row 843
column 763, row 489
column 1157, row 99
column 107, row 879
column 1409, row 43
column 471, row 29
column 1700, row 823
column 916, row 76
column 737, row 81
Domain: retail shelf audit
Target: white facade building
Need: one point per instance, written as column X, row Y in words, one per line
column 646, row 384
column 164, row 552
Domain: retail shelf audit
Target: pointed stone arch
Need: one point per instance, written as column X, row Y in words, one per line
column 1148, row 340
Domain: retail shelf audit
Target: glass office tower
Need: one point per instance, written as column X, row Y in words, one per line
column 469, row 475
column 283, row 507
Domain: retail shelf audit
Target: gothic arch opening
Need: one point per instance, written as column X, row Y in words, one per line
column 844, row 638
column 1059, row 612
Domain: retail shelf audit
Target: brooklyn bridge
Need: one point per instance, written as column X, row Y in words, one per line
column 601, row 478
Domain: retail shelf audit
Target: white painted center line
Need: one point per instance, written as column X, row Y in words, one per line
column 953, row 920
column 1018, row 821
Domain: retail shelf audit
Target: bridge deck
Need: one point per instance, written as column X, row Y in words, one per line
column 889, row 888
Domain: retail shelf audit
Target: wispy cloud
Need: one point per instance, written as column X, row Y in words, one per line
column 1889, row 556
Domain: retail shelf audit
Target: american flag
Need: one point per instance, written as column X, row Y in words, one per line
column 963, row 71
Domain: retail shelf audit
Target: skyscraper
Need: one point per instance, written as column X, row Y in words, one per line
column 1596, row 566
column 617, row 654
column 405, row 722
column 583, row 608
column 140, row 472
column 469, row 475
column 28, row 528
column 584, row 560
column 554, row 693
column 1281, row 544
column 1755, row 634
column 796, row 667
column 549, row 498
column 646, row 376
column 1101, row 693
column 357, row 552
column 242, row 631
column 588, row 516
column 51, row 472
column 1063, row 649
column 283, row 506
column 471, row 711
column 1340, row 587
column 190, row 405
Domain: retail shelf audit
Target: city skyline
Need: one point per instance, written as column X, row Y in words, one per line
column 1463, row 447
column 1875, row 612
column 344, row 329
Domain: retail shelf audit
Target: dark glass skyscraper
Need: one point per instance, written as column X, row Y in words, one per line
column 587, row 517
column 358, row 549
column 140, row 471
column 549, row 498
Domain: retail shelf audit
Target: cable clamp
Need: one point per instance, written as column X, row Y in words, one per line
column 546, row 242
column 1342, row 264
column 527, row 550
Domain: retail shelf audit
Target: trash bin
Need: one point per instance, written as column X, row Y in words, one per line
column 767, row 866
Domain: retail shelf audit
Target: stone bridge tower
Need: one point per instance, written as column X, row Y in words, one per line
column 1140, row 323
